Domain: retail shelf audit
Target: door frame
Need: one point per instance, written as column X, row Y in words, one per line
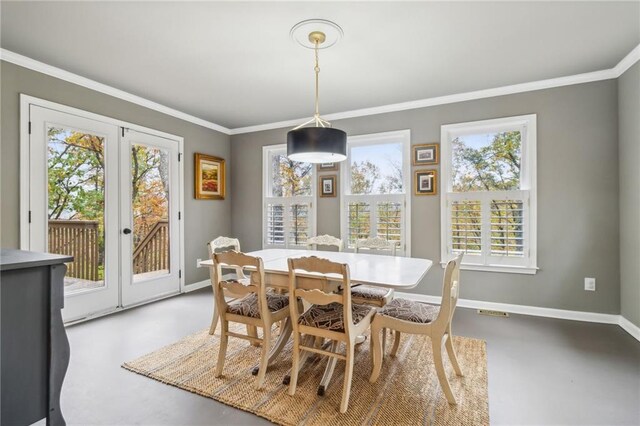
column 25, row 151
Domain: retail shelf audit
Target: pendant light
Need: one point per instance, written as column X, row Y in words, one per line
column 319, row 143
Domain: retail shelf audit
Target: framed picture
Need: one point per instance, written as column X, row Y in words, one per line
column 326, row 167
column 328, row 186
column 209, row 177
column 425, row 154
column 426, row 182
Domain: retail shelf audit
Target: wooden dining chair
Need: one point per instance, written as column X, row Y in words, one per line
column 255, row 307
column 218, row 245
column 324, row 240
column 368, row 295
column 407, row 316
column 330, row 316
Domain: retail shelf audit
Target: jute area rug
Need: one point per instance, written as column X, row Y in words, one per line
column 407, row 392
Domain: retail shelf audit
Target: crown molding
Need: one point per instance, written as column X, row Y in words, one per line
column 627, row 62
column 608, row 74
column 32, row 64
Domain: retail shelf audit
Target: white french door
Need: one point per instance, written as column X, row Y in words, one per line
column 110, row 197
column 149, row 216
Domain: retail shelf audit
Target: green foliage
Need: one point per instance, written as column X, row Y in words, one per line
column 492, row 167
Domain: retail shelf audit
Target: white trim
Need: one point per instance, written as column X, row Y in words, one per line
column 32, row 64
column 25, row 175
column 508, row 269
column 196, row 286
column 607, row 74
column 630, row 327
column 535, row 311
column 627, row 62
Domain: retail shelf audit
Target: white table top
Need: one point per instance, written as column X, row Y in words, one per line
column 377, row 270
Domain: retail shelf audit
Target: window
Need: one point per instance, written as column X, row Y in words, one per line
column 289, row 192
column 489, row 194
column 375, row 186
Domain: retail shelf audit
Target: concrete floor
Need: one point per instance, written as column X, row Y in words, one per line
column 541, row 371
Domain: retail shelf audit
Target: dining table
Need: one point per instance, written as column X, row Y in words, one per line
column 394, row 272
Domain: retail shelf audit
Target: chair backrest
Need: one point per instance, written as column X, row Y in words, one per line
column 377, row 243
column 223, row 243
column 316, row 280
column 324, row 240
column 234, row 259
column 450, row 291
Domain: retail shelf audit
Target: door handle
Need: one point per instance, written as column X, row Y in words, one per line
column 126, row 231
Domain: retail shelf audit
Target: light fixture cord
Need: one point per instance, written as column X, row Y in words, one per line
column 317, row 70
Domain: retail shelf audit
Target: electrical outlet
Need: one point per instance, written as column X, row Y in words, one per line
column 590, row 284
column 198, row 263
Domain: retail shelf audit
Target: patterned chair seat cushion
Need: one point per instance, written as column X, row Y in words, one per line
column 248, row 305
column 409, row 310
column 330, row 317
column 369, row 292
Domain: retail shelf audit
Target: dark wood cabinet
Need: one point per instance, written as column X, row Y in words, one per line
column 34, row 347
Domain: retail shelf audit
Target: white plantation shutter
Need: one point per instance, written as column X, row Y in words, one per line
column 299, row 224
column 491, row 228
column 359, row 221
column 389, row 220
column 274, row 224
column 466, row 227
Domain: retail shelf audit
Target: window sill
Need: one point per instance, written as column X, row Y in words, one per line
column 526, row 270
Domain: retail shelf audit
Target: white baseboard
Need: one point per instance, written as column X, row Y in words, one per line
column 537, row 311
column 196, row 286
column 630, row 327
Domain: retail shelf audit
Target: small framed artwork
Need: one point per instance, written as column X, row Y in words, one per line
column 426, row 182
column 328, row 186
column 328, row 167
column 209, row 177
column 425, row 154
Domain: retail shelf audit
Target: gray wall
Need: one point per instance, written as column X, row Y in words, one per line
column 577, row 194
column 629, row 136
column 204, row 219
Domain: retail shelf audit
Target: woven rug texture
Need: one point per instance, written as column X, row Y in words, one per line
column 407, row 392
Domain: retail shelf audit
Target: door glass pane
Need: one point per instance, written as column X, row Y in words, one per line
column 75, row 164
column 150, row 205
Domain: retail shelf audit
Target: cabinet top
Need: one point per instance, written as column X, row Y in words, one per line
column 20, row 259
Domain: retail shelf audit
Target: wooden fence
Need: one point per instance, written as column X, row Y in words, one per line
column 152, row 253
column 77, row 238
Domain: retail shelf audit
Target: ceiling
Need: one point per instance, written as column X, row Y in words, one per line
column 234, row 64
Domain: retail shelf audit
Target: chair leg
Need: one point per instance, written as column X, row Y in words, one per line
column 452, row 354
column 436, row 342
column 252, row 331
column 348, row 375
column 396, row 344
column 214, row 318
column 376, row 352
column 384, row 341
column 264, row 361
column 293, row 381
column 222, row 353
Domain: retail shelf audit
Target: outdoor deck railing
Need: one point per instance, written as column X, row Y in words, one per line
column 152, row 253
column 77, row 238
column 80, row 239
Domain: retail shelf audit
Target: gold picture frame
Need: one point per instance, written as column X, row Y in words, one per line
column 425, row 182
column 209, row 177
column 425, row 154
column 328, row 185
